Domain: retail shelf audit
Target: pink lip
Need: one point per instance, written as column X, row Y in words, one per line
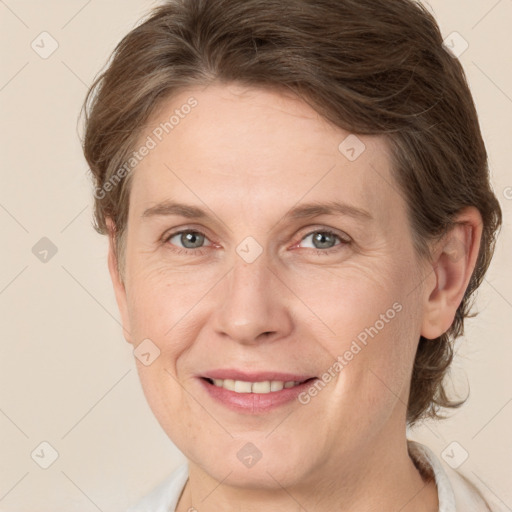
column 255, row 376
column 254, row 403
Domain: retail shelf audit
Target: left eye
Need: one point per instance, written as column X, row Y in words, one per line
column 324, row 239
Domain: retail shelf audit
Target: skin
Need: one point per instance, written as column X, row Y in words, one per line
column 248, row 156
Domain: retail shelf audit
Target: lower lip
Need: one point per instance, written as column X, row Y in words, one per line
column 254, row 403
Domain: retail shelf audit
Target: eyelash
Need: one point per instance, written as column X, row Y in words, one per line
column 200, row 252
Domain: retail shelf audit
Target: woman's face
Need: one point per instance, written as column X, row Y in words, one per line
column 269, row 281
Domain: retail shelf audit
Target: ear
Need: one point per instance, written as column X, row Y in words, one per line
column 454, row 259
column 119, row 286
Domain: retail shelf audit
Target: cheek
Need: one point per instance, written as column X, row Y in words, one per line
column 162, row 302
column 166, row 399
column 369, row 324
column 350, row 298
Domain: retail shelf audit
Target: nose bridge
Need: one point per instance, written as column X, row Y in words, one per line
column 251, row 302
column 248, row 279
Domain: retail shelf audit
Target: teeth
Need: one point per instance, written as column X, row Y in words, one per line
column 276, row 385
column 240, row 386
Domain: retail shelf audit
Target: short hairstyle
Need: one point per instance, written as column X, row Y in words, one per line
column 369, row 66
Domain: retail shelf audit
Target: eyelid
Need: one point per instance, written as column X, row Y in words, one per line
column 185, row 229
column 309, row 230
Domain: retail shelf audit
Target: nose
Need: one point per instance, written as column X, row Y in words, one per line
column 252, row 303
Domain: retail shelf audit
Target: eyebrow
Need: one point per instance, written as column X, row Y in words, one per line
column 303, row 211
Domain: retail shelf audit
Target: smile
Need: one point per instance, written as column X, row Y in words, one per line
column 254, row 395
column 241, row 386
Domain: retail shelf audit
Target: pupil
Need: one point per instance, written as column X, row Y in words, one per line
column 320, row 237
column 190, row 237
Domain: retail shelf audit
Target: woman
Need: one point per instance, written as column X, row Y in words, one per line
column 298, row 207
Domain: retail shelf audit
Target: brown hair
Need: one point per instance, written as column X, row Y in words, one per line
column 368, row 66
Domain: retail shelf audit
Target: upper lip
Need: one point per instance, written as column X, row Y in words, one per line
column 255, row 376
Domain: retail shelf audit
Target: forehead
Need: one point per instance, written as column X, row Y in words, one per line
column 244, row 149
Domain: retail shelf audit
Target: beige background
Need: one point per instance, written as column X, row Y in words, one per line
column 66, row 375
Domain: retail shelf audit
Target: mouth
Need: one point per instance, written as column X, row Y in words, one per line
column 259, row 387
column 254, row 393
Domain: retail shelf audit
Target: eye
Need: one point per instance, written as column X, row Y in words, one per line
column 191, row 241
column 324, row 240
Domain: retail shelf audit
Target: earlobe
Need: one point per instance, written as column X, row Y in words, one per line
column 117, row 282
column 454, row 259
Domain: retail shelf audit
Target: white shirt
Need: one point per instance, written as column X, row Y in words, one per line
column 455, row 492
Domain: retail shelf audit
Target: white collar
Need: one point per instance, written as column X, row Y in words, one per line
column 455, row 492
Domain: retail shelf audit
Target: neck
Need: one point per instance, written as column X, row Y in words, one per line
column 381, row 478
